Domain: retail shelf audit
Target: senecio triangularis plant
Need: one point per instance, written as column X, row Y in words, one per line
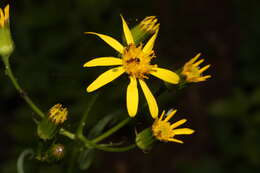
column 134, row 58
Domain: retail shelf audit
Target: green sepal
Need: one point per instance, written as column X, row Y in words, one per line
column 145, row 140
column 139, row 35
column 46, row 129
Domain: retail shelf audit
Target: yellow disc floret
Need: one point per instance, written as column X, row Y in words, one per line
column 136, row 62
column 58, row 114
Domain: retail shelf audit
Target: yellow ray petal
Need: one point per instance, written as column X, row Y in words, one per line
column 195, row 58
column 161, row 117
column 205, row 77
column 166, row 75
column 1, row 17
column 103, row 61
column 183, row 131
column 149, row 45
column 150, row 99
column 105, row 78
column 7, row 12
column 175, row 140
column 199, row 62
column 127, row 32
column 132, row 97
column 170, row 115
column 204, row 68
column 178, row 123
column 109, row 40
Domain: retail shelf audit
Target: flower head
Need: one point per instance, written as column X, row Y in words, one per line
column 193, row 72
column 164, row 131
column 4, row 16
column 135, row 60
column 58, row 114
column 150, row 24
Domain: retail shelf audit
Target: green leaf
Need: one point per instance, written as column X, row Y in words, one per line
column 86, row 158
column 100, row 126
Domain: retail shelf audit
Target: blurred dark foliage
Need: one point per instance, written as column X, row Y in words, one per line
column 51, row 49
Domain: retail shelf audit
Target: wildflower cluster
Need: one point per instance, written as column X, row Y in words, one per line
column 135, row 60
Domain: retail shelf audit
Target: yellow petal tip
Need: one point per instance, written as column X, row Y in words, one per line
column 85, row 65
column 132, row 115
column 88, row 89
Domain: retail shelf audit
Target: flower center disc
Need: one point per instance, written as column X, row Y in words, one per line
column 192, row 71
column 136, row 62
column 162, row 130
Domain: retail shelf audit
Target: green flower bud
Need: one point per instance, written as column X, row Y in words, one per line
column 50, row 154
column 145, row 28
column 56, row 152
column 6, row 42
column 145, row 139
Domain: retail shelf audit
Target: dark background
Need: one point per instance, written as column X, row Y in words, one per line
column 51, row 49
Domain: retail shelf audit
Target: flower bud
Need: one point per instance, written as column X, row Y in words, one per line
column 52, row 153
column 56, row 152
column 6, row 42
column 144, row 29
column 50, row 125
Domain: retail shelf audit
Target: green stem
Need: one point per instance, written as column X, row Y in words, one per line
column 105, row 148
column 22, row 93
column 116, row 149
column 67, row 134
column 20, row 161
column 85, row 115
column 111, row 131
column 79, row 132
column 72, row 159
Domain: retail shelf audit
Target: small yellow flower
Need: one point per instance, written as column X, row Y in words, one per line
column 193, row 72
column 58, row 114
column 164, row 131
column 149, row 24
column 134, row 61
column 4, row 16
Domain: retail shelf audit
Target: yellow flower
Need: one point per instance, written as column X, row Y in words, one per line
column 134, row 61
column 58, row 114
column 4, row 16
column 193, row 72
column 149, row 24
column 164, row 131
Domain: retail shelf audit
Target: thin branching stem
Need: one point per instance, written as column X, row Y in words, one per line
column 22, row 93
column 111, row 131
